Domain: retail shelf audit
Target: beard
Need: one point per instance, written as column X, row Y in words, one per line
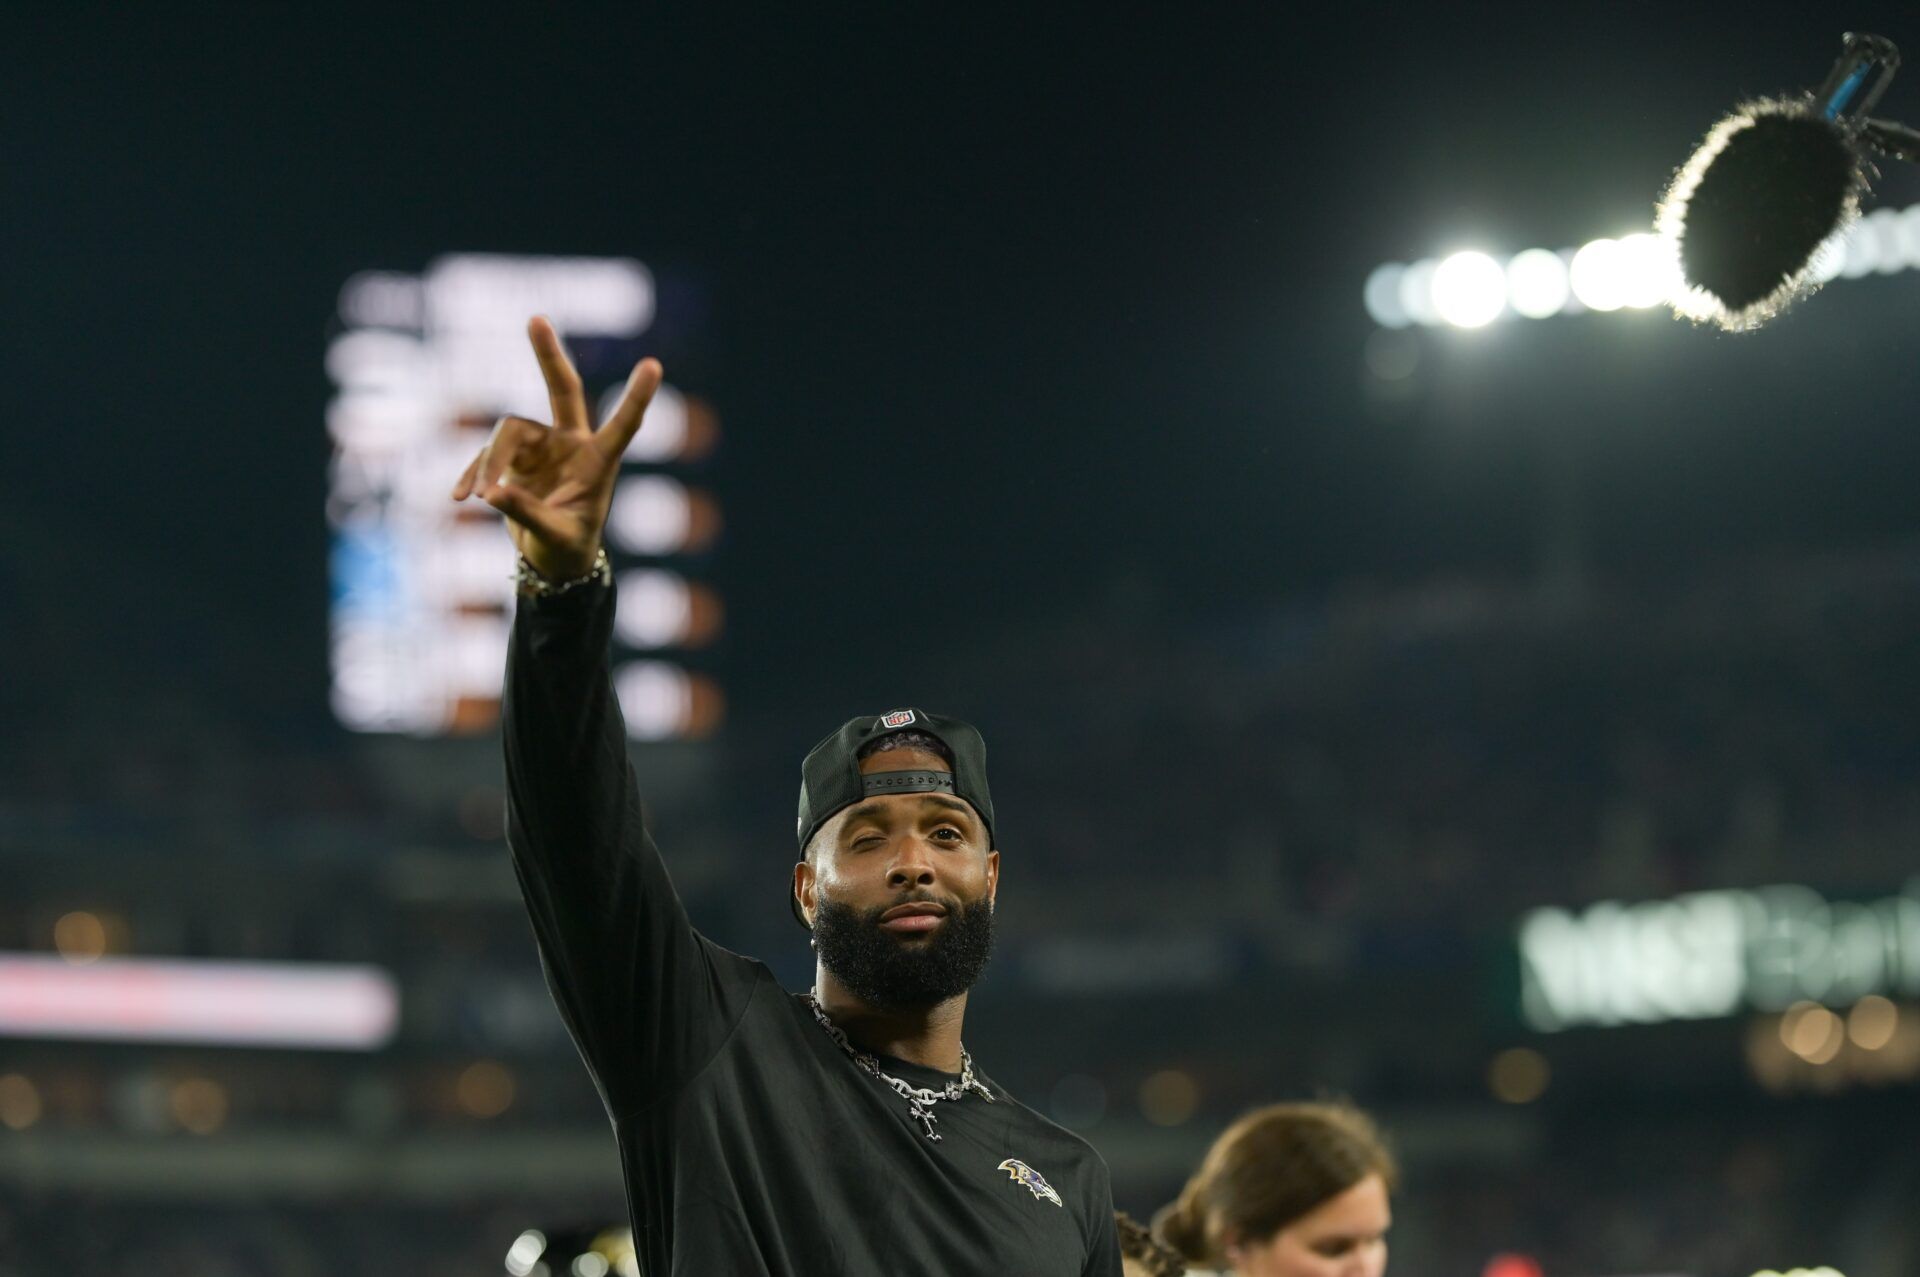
column 893, row 974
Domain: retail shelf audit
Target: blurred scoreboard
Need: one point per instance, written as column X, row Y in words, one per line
column 422, row 591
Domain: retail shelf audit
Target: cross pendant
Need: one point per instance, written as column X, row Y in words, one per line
column 926, row 1117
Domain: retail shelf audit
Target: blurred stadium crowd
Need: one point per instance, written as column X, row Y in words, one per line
column 1311, row 832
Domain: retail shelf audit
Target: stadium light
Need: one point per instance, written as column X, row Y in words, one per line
column 1595, row 275
column 1635, row 271
column 1469, row 290
column 1649, row 271
column 1382, row 296
column 1537, row 283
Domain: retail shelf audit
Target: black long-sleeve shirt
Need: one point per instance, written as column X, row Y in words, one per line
column 750, row 1141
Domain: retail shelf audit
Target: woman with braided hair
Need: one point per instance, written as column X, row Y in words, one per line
column 1289, row 1190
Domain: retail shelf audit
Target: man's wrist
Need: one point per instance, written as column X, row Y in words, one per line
column 531, row 582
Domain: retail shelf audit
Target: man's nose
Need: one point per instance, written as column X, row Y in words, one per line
column 911, row 864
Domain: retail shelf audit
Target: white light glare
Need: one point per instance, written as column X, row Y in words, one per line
column 1596, row 275
column 1537, row 283
column 650, row 515
column 1382, row 296
column 656, row 698
column 1416, row 292
column 654, row 608
column 1649, row 271
column 600, row 296
column 1469, row 290
column 1635, row 272
column 525, row 1251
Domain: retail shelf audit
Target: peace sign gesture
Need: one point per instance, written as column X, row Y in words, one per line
column 554, row 483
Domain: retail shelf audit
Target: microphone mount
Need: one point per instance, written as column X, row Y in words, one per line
column 1853, row 88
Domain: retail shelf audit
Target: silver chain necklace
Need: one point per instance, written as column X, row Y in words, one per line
column 920, row 1099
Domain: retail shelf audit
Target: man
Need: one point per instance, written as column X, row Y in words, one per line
column 846, row 1131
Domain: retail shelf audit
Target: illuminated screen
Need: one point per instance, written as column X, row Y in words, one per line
column 1710, row 953
column 288, row 1004
column 422, row 592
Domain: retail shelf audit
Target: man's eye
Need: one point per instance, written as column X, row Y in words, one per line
column 949, row 832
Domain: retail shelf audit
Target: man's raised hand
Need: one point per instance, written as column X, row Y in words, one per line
column 555, row 483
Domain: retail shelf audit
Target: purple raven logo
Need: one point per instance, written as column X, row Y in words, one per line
column 1021, row 1173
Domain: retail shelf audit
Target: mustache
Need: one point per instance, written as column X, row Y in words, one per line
column 949, row 903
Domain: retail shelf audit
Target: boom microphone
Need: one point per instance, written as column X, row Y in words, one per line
column 1774, row 181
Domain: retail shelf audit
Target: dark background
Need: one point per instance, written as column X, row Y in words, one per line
column 1037, row 343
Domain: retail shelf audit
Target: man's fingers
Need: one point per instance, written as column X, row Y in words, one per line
column 463, row 486
column 528, row 511
column 564, row 391
column 511, row 436
column 621, row 426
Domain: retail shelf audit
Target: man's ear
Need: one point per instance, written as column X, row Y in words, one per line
column 803, row 888
column 993, row 875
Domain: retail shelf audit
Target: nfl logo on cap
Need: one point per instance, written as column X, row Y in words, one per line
column 899, row 718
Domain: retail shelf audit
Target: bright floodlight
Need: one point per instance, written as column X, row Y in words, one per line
column 1889, row 233
column 1595, row 276
column 1382, row 296
column 1416, row 292
column 1862, row 247
column 1537, row 283
column 1469, row 290
column 1649, row 270
column 1909, row 236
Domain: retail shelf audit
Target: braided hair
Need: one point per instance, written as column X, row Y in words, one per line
column 1146, row 1255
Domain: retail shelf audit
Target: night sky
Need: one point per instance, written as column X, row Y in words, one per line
column 1008, row 311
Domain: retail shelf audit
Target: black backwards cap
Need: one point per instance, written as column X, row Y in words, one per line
column 830, row 777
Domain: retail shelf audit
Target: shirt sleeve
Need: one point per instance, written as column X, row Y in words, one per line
column 647, row 998
column 1103, row 1256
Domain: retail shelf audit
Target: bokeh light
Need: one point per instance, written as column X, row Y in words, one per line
column 1649, row 270
column 198, row 1105
column 1381, row 296
column 1811, row 1032
column 1595, row 275
column 485, row 1089
column 525, row 1252
column 80, row 937
column 1469, row 290
column 1518, row 1076
column 1416, row 292
column 1169, row 1097
column 1632, row 272
column 1511, row 1265
column 1872, row 1022
column 19, row 1102
column 1537, row 284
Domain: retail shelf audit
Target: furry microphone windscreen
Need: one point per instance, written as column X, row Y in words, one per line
column 1770, row 184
